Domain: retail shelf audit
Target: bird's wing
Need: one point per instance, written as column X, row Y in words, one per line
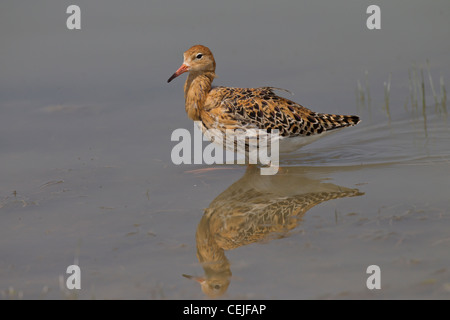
column 261, row 108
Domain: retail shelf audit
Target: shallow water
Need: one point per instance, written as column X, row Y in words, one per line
column 86, row 176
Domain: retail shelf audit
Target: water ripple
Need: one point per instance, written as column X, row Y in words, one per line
column 403, row 141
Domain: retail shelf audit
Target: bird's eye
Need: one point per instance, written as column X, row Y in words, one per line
column 217, row 287
column 199, row 56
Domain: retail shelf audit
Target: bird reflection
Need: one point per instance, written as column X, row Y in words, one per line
column 255, row 208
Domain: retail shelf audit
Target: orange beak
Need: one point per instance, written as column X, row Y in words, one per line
column 198, row 279
column 180, row 70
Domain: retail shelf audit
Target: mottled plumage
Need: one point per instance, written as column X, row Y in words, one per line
column 249, row 108
column 256, row 208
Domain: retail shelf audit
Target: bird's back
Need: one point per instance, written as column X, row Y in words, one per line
column 261, row 108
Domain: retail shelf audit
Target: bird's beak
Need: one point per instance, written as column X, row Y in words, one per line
column 180, row 70
column 198, row 279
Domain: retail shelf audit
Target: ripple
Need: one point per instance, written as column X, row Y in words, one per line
column 405, row 141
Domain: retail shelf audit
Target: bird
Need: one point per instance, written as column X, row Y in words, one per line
column 256, row 209
column 229, row 108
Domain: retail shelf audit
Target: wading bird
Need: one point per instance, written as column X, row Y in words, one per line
column 225, row 108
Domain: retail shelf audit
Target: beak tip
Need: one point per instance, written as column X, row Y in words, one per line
column 171, row 78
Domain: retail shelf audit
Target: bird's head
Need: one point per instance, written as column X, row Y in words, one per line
column 198, row 59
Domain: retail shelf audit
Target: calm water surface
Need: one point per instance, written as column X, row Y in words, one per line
column 86, row 176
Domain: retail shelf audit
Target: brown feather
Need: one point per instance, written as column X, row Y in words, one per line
column 248, row 108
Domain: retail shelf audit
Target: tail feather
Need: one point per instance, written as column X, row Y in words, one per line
column 334, row 121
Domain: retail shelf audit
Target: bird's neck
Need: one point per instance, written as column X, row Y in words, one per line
column 196, row 90
column 210, row 253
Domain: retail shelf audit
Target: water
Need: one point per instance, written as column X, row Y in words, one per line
column 86, row 176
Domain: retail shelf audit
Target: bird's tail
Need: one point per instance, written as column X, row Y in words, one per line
column 335, row 121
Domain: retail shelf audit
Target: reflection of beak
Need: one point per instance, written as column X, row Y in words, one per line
column 180, row 70
column 198, row 279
